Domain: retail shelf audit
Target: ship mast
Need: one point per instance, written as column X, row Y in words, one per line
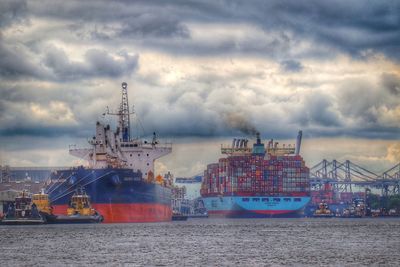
column 124, row 121
column 124, row 128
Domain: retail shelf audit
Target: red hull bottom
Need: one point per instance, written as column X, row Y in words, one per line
column 127, row 213
column 270, row 212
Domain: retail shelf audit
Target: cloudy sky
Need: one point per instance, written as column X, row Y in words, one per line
column 201, row 72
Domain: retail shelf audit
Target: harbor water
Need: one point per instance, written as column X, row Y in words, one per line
column 206, row 242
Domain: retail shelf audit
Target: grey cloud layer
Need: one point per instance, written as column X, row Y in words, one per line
column 54, row 64
column 352, row 27
column 356, row 28
column 208, row 103
column 12, row 12
column 97, row 63
column 355, row 108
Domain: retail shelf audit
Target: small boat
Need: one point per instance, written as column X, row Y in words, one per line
column 323, row 211
column 23, row 212
column 356, row 210
column 79, row 210
column 42, row 203
column 177, row 216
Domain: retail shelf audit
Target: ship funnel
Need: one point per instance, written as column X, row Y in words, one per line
column 298, row 142
column 258, row 138
column 258, row 147
column 242, row 143
column 237, row 143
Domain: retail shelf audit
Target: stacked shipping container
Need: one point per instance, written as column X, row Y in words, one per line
column 253, row 174
column 347, row 197
column 328, row 195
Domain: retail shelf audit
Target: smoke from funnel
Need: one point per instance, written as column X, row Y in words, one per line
column 239, row 122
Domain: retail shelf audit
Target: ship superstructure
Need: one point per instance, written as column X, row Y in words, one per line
column 116, row 148
column 119, row 177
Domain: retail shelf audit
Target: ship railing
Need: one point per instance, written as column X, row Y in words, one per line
column 37, row 168
column 235, row 150
column 280, row 150
column 146, row 144
column 244, row 150
column 158, row 145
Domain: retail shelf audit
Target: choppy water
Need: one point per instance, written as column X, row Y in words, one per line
column 206, row 242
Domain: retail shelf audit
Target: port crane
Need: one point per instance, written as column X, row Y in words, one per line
column 344, row 176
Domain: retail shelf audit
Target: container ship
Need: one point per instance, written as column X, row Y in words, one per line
column 119, row 178
column 257, row 181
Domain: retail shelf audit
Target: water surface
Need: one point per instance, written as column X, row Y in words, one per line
column 206, row 242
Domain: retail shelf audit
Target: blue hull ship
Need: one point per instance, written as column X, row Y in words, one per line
column 119, row 195
column 256, row 182
column 255, row 207
column 119, row 174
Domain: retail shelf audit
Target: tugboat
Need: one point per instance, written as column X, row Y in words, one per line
column 356, row 210
column 24, row 212
column 42, row 203
column 323, row 211
column 79, row 210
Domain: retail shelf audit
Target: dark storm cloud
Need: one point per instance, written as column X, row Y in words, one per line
column 56, row 65
column 355, row 28
column 224, row 111
column 32, row 130
column 12, row 12
column 362, row 95
column 140, row 26
column 98, row 63
column 152, row 25
column 360, row 100
column 370, row 108
column 347, row 26
column 208, row 103
column 391, row 82
column 351, row 27
column 316, row 111
column 105, row 20
column 13, row 61
column 14, row 64
column 378, row 132
column 68, row 109
column 291, row 66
